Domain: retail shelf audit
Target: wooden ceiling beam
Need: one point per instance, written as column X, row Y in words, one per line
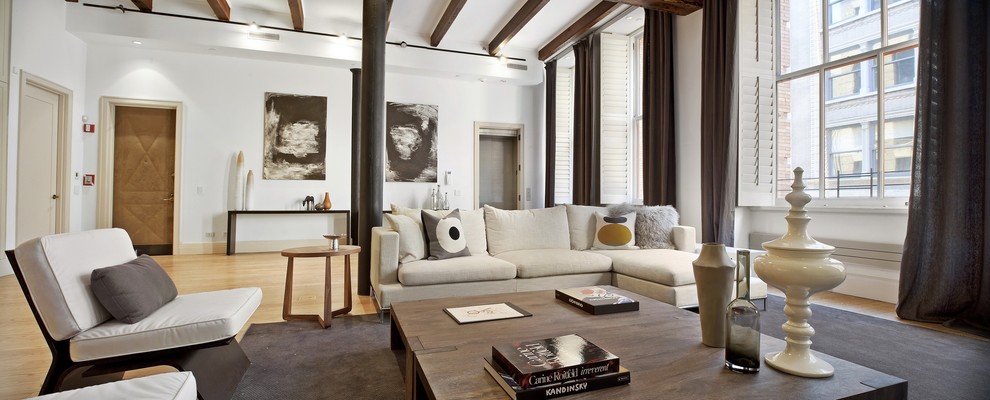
column 515, row 24
column 676, row 7
column 221, row 9
column 296, row 10
column 388, row 15
column 579, row 28
column 143, row 5
column 453, row 8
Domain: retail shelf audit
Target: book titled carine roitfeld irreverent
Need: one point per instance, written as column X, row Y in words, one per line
column 557, row 359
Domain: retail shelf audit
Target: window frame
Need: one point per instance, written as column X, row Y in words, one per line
column 877, row 56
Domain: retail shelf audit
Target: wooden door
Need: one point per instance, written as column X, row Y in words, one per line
column 144, row 176
column 37, row 164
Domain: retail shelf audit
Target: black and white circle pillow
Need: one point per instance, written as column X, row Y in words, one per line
column 446, row 236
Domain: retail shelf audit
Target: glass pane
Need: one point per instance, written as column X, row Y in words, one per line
column 851, row 131
column 853, row 27
column 902, row 20
column 899, row 103
column 639, row 159
column 798, row 119
column 800, row 34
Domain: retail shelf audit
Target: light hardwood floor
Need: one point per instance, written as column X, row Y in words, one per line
column 26, row 357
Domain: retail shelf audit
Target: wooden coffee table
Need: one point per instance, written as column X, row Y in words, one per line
column 319, row 251
column 660, row 344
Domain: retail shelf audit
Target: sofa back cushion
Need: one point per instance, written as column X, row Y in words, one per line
column 474, row 231
column 412, row 242
column 57, row 272
column 541, row 228
column 412, row 238
column 581, row 225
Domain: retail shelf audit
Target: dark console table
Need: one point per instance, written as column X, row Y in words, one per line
column 232, row 222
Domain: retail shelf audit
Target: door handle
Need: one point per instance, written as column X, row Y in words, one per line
column 171, row 197
column 55, row 197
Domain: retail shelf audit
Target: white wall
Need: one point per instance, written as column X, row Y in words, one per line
column 223, row 102
column 41, row 46
column 687, row 125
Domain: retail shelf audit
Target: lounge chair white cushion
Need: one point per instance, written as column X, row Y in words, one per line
column 57, row 270
column 188, row 320
column 167, row 386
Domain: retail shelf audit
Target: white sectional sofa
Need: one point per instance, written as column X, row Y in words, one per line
column 535, row 249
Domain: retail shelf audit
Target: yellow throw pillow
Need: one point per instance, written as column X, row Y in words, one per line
column 615, row 233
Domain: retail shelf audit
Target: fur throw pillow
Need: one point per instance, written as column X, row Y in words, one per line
column 653, row 224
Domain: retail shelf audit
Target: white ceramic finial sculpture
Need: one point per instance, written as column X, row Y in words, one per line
column 800, row 266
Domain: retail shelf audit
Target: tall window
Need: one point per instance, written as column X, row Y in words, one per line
column 852, row 140
column 564, row 124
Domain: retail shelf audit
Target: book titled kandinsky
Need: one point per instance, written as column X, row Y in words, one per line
column 554, row 390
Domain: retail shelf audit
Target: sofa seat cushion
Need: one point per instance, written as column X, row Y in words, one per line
column 187, row 320
column 167, row 386
column 551, row 262
column 455, row 270
column 668, row 267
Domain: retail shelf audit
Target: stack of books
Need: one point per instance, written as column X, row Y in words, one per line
column 554, row 367
column 596, row 300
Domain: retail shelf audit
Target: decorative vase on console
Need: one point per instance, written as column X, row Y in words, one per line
column 326, row 201
column 713, row 270
column 799, row 266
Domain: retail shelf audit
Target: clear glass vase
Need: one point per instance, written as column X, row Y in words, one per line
column 742, row 324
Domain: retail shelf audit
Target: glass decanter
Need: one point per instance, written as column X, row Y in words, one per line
column 742, row 323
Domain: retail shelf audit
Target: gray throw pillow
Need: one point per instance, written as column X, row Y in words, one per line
column 133, row 290
column 653, row 224
column 446, row 235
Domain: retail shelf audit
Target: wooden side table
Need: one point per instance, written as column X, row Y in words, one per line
column 319, row 251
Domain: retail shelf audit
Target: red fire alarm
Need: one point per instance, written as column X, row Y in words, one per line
column 89, row 180
column 89, row 128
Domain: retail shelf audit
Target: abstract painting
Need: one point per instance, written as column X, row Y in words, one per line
column 295, row 137
column 410, row 142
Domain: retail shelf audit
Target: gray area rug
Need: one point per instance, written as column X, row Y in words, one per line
column 352, row 359
column 937, row 365
column 299, row 360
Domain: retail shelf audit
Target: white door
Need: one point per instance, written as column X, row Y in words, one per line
column 37, row 162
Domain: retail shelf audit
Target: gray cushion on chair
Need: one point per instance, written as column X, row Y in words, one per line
column 133, row 290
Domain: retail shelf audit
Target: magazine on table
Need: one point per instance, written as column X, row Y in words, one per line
column 485, row 312
column 596, row 300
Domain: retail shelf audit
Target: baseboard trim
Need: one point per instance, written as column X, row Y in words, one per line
column 260, row 246
column 870, row 282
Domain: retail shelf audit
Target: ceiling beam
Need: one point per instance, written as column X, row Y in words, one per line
column 453, row 8
column 579, row 28
column 143, row 5
column 221, row 9
column 676, row 7
column 296, row 10
column 515, row 24
column 388, row 15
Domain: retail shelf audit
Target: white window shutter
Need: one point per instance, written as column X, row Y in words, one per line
column 757, row 99
column 562, row 175
column 615, row 129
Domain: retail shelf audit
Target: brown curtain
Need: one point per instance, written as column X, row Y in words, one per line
column 718, row 41
column 551, row 156
column 659, row 161
column 586, row 161
column 945, row 268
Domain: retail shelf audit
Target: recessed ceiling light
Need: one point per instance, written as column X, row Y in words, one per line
column 253, row 26
column 502, row 59
column 136, row 42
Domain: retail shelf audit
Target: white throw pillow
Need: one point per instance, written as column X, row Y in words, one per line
column 541, row 228
column 412, row 242
column 615, row 233
column 474, row 231
column 581, row 223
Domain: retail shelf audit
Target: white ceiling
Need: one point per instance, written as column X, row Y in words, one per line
column 412, row 21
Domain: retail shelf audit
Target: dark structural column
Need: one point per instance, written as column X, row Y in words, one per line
column 659, row 161
column 551, row 162
column 945, row 268
column 372, row 133
column 355, row 154
column 718, row 43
